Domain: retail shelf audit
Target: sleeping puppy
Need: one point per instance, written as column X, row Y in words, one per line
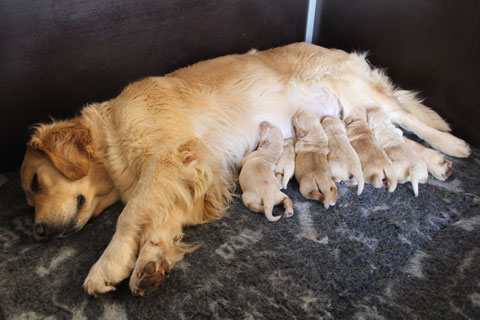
column 261, row 189
column 377, row 167
column 311, row 164
column 286, row 164
column 437, row 165
column 408, row 166
column 342, row 158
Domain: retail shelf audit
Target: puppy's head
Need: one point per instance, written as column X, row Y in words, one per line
column 304, row 122
column 269, row 134
column 61, row 179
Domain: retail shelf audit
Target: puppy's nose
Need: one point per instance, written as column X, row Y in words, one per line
column 40, row 231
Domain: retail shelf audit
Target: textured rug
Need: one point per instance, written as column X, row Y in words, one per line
column 373, row 256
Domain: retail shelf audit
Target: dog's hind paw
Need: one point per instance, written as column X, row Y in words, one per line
column 150, row 277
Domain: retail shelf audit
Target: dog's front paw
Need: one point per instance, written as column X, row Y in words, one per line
column 150, row 276
column 96, row 283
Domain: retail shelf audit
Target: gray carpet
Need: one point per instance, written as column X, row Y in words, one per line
column 374, row 256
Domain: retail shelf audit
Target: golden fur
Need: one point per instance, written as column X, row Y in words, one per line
column 406, row 163
column 311, row 166
column 342, row 158
column 377, row 167
column 169, row 147
column 286, row 164
column 260, row 187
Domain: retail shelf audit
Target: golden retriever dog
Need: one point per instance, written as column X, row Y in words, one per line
column 437, row 165
column 170, row 147
column 260, row 187
column 286, row 164
column 377, row 167
column 343, row 160
column 407, row 164
column 311, row 165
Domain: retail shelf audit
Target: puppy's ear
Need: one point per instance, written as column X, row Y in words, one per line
column 66, row 146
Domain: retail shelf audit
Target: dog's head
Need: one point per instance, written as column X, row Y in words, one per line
column 269, row 134
column 304, row 122
column 63, row 179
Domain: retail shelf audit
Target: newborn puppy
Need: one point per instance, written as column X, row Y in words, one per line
column 406, row 163
column 261, row 189
column 311, row 165
column 377, row 168
column 437, row 165
column 286, row 164
column 342, row 158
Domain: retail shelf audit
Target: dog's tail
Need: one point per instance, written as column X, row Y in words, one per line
column 268, row 204
column 390, row 181
column 411, row 103
column 356, row 172
column 414, row 177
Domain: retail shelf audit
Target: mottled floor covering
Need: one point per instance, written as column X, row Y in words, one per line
column 376, row 256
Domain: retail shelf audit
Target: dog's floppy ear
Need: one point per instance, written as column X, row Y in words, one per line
column 66, row 145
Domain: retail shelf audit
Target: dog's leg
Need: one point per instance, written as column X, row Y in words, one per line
column 437, row 165
column 252, row 201
column 440, row 140
column 118, row 259
column 161, row 249
column 281, row 197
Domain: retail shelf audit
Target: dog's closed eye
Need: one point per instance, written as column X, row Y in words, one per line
column 34, row 186
column 80, row 201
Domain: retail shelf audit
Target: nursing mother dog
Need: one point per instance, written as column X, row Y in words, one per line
column 169, row 147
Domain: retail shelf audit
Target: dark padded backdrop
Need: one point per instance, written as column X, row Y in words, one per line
column 430, row 46
column 55, row 56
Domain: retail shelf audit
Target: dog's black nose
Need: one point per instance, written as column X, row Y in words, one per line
column 40, row 231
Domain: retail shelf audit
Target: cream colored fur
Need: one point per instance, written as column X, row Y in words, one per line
column 285, row 168
column 311, row 165
column 437, row 165
column 407, row 164
column 377, row 167
column 170, row 148
column 342, row 158
column 260, row 187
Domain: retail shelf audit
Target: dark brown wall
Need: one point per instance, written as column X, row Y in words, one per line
column 55, row 56
column 432, row 46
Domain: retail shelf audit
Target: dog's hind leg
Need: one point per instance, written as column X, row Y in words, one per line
column 287, row 203
column 442, row 141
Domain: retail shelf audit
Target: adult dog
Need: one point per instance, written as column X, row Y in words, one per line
column 169, row 147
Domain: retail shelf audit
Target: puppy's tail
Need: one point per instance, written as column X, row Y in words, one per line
column 414, row 177
column 390, row 180
column 268, row 204
column 357, row 173
column 287, row 175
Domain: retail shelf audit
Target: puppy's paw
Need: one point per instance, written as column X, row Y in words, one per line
column 150, row 276
column 96, row 282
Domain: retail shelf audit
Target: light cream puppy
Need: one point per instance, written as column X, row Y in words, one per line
column 377, row 167
column 437, row 165
column 342, row 158
column 285, row 168
column 261, row 189
column 408, row 166
column 311, row 165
